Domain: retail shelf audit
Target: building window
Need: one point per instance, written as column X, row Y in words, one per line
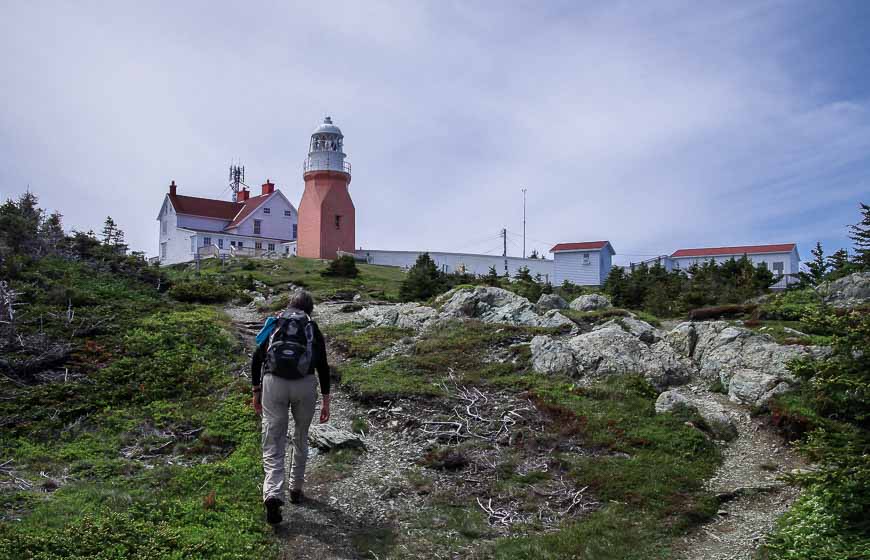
column 206, row 241
column 257, row 227
column 258, row 245
column 585, row 258
column 271, row 246
column 288, row 213
column 295, row 229
column 337, row 221
column 192, row 243
column 220, row 243
column 778, row 268
column 163, row 250
column 241, row 244
column 232, row 243
column 267, row 211
column 163, row 225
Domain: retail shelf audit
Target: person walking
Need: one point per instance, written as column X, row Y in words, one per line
column 290, row 348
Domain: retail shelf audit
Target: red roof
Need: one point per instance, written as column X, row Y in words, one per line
column 249, row 206
column 741, row 250
column 206, row 207
column 582, row 246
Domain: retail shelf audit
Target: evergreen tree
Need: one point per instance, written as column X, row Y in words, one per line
column 839, row 261
column 51, row 231
column 860, row 234
column 534, row 254
column 817, row 268
column 616, row 286
column 423, row 281
column 491, row 278
column 523, row 274
column 110, row 231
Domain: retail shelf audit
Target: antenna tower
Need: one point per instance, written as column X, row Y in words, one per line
column 237, row 179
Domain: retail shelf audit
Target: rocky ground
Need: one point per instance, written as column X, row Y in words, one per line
column 376, row 497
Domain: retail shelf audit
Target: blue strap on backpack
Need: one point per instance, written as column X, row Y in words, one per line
column 266, row 331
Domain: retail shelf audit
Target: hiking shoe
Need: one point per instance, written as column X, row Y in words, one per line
column 296, row 496
column 273, row 511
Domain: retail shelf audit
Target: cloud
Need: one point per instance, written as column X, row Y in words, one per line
column 655, row 126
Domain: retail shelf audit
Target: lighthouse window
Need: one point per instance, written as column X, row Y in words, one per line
column 337, row 221
column 257, row 227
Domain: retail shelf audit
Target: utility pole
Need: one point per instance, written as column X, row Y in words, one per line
column 504, row 251
column 524, row 222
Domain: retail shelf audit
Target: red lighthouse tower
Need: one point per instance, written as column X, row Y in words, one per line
column 327, row 218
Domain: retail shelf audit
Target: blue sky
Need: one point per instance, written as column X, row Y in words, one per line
column 656, row 125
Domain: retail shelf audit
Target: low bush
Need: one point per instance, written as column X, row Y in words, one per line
column 341, row 267
column 720, row 311
column 201, row 290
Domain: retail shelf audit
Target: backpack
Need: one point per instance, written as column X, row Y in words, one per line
column 290, row 353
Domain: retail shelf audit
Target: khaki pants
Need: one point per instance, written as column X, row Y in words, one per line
column 280, row 398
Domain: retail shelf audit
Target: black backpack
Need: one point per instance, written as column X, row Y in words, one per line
column 290, row 352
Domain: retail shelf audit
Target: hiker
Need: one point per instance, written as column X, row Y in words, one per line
column 290, row 348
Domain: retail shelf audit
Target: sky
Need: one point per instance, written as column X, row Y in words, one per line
column 655, row 125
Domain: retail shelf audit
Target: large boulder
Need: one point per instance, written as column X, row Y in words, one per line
column 610, row 350
column 590, row 302
column 404, row 315
column 752, row 366
column 550, row 301
column 717, row 418
column 497, row 305
column 848, row 291
column 327, row 437
column 641, row 329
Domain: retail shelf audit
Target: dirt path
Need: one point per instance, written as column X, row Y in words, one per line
column 351, row 510
column 748, row 483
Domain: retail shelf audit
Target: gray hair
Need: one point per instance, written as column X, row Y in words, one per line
column 302, row 300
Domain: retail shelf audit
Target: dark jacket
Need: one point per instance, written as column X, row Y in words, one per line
column 320, row 363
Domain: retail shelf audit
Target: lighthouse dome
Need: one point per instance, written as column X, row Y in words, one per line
column 326, row 127
column 326, row 150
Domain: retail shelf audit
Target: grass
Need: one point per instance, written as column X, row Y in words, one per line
column 357, row 342
column 156, row 372
column 375, row 282
column 595, row 316
column 646, row 469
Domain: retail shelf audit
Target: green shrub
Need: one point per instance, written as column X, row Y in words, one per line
column 341, row 267
column 790, row 305
column 201, row 290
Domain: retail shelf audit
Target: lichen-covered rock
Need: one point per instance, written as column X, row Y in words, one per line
column 717, row 418
column 551, row 356
column 610, row 351
column 641, row 329
column 404, row 315
column 848, row 291
column 590, row 302
column 726, row 352
column 550, row 301
column 497, row 305
column 327, row 437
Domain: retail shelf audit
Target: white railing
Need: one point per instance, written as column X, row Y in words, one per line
column 318, row 165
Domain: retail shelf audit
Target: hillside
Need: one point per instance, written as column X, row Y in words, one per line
column 141, row 443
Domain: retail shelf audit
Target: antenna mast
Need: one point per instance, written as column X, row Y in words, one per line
column 237, row 179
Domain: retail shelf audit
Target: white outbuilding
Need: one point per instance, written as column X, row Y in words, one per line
column 585, row 263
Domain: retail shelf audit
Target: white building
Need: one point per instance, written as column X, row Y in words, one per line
column 585, row 263
column 782, row 259
column 252, row 226
column 468, row 263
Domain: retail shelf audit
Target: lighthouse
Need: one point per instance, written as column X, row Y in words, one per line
column 327, row 218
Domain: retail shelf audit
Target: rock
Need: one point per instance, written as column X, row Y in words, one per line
column 497, row 305
column 404, row 315
column 641, row 329
column 723, row 351
column 720, row 423
column 610, row 351
column 848, row 291
column 327, row 437
column 550, row 301
column 551, row 356
column 590, row 302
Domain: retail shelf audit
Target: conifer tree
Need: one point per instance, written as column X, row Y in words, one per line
column 838, row 261
column 424, row 280
column 817, row 267
column 860, row 234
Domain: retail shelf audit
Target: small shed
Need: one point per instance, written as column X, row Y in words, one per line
column 585, row 263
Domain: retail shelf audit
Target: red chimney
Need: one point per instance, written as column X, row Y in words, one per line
column 172, row 188
column 268, row 187
column 243, row 195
